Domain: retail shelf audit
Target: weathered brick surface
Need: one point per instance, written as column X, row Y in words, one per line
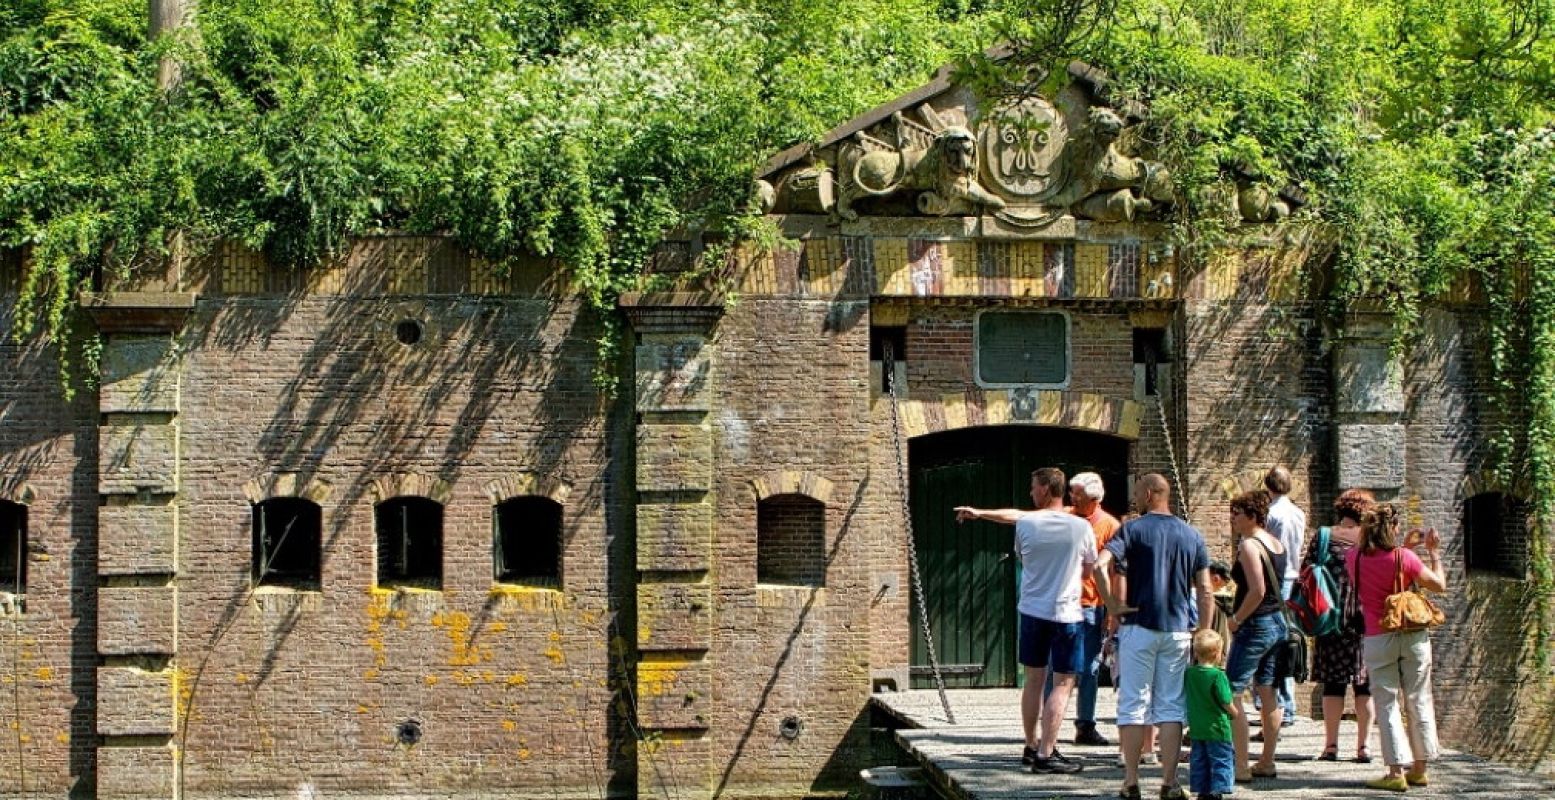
column 674, row 694
column 673, row 373
column 135, row 702
column 674, row 616
column 1371, row 455
column 47, row 655
column 137, row 620
column 137, row 539
column 513, row 687
column 674, row 537
column 674, row 458
column 139, row 374
column 135, row 773
column 139, row 454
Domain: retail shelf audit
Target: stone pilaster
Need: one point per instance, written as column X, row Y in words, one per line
column 674, row 381
column 1369, row 382
column 137, row 632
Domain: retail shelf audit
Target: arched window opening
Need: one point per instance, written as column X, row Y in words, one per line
column 527, row 545
column 287, row 542
column 791, row 540
column 13, row 556
column 410, row 542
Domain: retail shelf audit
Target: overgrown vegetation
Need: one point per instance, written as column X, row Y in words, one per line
column 584, row 129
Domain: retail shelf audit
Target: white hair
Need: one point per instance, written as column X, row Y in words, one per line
column 1090, row 483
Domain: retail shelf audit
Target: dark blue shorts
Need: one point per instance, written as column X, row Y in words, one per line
column 1254, row 649
column 1045, row 643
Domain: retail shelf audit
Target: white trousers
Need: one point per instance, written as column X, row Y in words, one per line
column 1401, row 662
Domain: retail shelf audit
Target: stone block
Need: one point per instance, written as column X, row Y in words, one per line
column 135, row 773
column 674, row 458
column 1371, row 456
column 140, row 620
column 1368, row 379
column 137, row 540
column 135, row 702
column 674, row 537
column 676, row 765
column 138, row 455
column 140, row 374
column 674, row 694
column 674, row 373
column 674, row 616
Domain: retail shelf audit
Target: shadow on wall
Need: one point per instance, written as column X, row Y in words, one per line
column 408, row 378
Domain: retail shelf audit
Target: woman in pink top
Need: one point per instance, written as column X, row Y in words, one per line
column 1398, row 661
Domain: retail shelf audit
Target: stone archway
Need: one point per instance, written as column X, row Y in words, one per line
column 1113, row 416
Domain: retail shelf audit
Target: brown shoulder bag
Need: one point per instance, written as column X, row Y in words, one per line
column 1408, row 609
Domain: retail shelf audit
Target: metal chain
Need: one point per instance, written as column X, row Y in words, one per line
column 1171, row 452
column 912, row 548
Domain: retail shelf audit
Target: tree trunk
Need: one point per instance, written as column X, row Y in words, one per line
column 168, row 16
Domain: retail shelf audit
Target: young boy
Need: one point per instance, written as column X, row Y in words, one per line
column 1212, row 770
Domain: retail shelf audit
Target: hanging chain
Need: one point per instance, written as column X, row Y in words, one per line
column 912, row 548
column 1171, row 452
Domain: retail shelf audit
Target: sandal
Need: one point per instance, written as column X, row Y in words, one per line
column 1258, row 772
column 1330, row 753
column 1362, row 756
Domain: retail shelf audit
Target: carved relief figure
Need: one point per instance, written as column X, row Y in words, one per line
column 1112, row 186
column 944, row 174
column 1022, row 143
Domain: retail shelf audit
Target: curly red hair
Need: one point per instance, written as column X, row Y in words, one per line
column 1352, row 504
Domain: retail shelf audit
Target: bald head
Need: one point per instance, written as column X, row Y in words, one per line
column 1153, row 494
column 1277, row 480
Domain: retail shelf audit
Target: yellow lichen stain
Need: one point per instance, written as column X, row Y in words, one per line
column 371, row 674
column 45, row 673
column 523, row 754
column 438, row 620
column 555, row 654
column 361, row 709
column 509, row 725
column 555, row 636
column 457, row 624
column 62, row 738
column 488, row 676
column 431, row 680
column 24, row 739
column 463, row 678
column 517, row 679
column 497, row 627
column 240, row 678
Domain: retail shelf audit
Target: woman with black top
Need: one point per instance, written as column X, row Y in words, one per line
column 1257, row 624
column 1336, row 657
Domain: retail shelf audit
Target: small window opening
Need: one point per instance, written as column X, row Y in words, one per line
column 13, row 557
column 528, row 542
column 1150, row 352
column 1495, row 531
column 893, row 338
column 410, row 542
column 287, row 542
column 791, row 540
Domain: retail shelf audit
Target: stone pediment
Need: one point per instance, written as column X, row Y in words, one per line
column 1029, row 165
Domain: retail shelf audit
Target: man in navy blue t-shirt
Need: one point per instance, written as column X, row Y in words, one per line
column 1168, row 593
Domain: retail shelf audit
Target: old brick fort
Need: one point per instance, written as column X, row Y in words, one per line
column 372, row 530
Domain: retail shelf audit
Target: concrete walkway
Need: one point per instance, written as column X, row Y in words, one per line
column 979, row 757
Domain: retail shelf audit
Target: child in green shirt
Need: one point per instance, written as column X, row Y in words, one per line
column 1212, row 766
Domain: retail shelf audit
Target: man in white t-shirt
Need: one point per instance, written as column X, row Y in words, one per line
column 1055, row 550
column 1288, row 523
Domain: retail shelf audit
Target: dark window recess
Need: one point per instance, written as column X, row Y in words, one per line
column 528, row 541
column 892, row 338
column 13, row 548
column 1022, row 347
column 410, row 542
column 1495, row 532
column 1150, row 352
column 287, row 542
column 791, row 540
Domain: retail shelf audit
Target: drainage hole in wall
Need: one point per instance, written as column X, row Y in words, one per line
column 407, row 331
column 409, row 732
column 790, row 728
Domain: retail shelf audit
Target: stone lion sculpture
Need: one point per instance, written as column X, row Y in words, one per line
column 945, row 175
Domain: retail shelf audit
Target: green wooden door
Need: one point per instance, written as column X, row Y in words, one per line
column 970, row 573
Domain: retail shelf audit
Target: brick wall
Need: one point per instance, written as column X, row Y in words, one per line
column 48, row 654
column 791, row 541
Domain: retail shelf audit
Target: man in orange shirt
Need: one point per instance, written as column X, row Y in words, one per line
column 1085, row 494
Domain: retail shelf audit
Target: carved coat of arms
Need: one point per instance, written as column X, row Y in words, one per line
column 1022, row 145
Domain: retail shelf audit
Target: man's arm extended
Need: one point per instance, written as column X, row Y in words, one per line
column 1003, row 516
